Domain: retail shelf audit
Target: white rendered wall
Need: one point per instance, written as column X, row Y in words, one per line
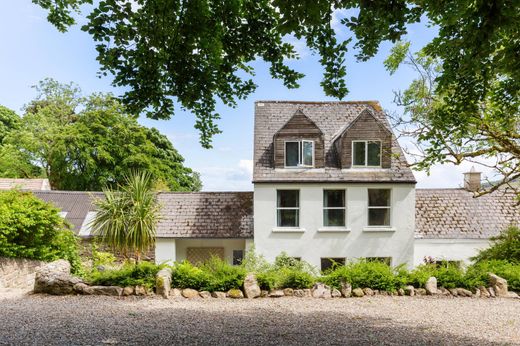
column 311, row 244
column 448, row 249
column 171, row 249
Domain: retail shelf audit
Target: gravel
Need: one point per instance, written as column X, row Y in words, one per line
column 97, row 320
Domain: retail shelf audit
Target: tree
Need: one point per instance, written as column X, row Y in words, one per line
column 89, row 142
column 32, row 228
column 9, row 120
column 195, row 52
column 126, row 219
column 441, row 133
column 504, row 247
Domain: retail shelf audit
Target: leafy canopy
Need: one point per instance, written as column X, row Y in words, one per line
column 32, row 228
column 90, row 142
column 198, row 52
column 504, row 247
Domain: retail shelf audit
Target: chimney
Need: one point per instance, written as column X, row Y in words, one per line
column 472, row 180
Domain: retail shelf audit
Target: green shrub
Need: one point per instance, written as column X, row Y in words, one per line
column 505, row 246
column 141, row 274
column 268, row 280
column 477, row 274
column 32, row 228
column 296, row 279
column 360, row 274
column 448, row 275
column 214, row 275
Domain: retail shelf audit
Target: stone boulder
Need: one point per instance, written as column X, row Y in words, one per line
column 346, row 289
column 320, row 290
column 335, row 293
column 462, row 292
column 140, row 291
column 409, row 291
column 484, row 293
column 102, row 290
column 444, row 291
column 431, row 285
column 368, row 291
column 205, row 294
column 219, row 295
column 235, row 293
column 420, row 292
column 358, row 292
column 288, row 292
column 400, row 292
column 190, row 293
column 175, row 293
column 276, row 293
column 453, row 292
column 251, row 287
column 491, row 291
column 499, row 285
column 163, row 282
column 302, row 293
column 55, row 278
column 128, row 291
column 264, row 293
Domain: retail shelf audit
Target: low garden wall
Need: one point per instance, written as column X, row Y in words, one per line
column 18, row 272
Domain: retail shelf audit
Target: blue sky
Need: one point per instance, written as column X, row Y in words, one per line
column 32, row 50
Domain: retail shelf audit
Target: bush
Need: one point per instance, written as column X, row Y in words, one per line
column 32, row 228
column 214, row 275
column 505, row 246
column 296, row 279
column 477, row 274
column 141, row 274
column 360, row 274
column 448, row 275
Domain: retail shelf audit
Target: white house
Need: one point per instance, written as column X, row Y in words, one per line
column 331, row 183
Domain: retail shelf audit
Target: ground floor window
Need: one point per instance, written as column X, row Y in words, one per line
column 385, row 260
column 288, row 208
column 238, row 257
column 328, row 263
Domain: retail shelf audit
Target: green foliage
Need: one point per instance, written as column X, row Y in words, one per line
column 362, row 273
column 101, row 258
column 505, row 246
column 140, row 274
column 31, row 228
column 86, row 143
column 9, row 121
column 215, row 42
column 214, row 275
column 126, row 220
column 448, row 275
column 477, row 274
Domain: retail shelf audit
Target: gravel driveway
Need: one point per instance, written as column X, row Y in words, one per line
column 91, row 320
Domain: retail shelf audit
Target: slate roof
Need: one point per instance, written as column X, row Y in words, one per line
column 331, row 118
column 456, row 214
column 24, row 184
column 75, row 203
column 206, row 215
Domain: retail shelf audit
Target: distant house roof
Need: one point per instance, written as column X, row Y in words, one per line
column 206, row 215
column 183, row 215
column 332, row 118
column 455, row 213
column 25, row 184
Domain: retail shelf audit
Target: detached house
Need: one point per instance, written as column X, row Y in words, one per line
column 331, row 183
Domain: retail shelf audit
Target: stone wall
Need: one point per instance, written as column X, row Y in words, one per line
column 18, row 272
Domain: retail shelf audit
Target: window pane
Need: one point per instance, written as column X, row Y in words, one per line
column 288, row 198
column 291, row 154
column 359, row 154
column 334, row 198
column 334, row 217
column 331, row 263
column 288, row 218
column 307, row 153
column 374, row 153
column 378, row 197
column 379, row 217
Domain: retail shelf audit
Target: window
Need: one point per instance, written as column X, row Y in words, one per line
column 385, row 260
column 288, row 208
column 238, row 257
column 366, row 153
column 379, row 207
column 331, row 263
column 334, row 208
column 299, row 154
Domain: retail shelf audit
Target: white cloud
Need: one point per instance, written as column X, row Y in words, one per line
column 335, row 23
column 299, row 46
column 228, row 178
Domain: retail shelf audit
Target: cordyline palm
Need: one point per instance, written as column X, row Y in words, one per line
column 126, row 219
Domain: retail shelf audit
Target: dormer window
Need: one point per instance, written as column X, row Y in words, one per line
column 299, row 153
column 366, row 153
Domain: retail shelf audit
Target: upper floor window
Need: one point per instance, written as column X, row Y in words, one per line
column 288, row 208
column 299, row 153
column 366, row 153
column 334, row 208
column 379, row 207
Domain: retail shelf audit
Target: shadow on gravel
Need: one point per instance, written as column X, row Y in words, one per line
column 66, row 320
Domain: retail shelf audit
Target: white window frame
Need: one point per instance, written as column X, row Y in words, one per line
column 366, row 152
column 300, row 153
column 288, row 208
column 379, row 207
column 335, row 208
